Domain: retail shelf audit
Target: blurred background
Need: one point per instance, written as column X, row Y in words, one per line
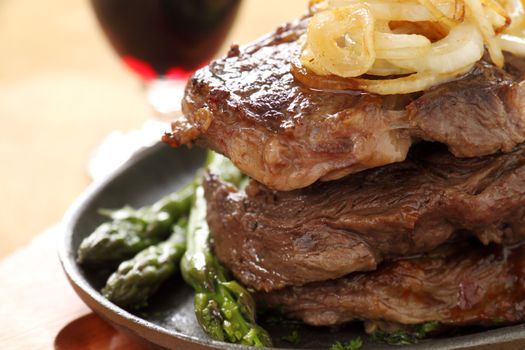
column 62, row 91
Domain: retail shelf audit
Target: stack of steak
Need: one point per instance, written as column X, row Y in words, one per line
column 393, row 210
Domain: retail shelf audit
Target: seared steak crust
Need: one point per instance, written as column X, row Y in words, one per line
column 457, row 285
column 248, row 107
column 271, row 239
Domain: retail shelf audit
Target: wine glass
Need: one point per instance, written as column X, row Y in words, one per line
column 164, row 41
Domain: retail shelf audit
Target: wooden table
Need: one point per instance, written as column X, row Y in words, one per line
column 62, row 90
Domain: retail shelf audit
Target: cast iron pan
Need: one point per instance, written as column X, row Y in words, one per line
column 169, row 321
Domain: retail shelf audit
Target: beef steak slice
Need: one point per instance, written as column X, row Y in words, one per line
column 457, row 285
column 271, row 239
column 248, row 107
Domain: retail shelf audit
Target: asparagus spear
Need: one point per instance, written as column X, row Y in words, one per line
column 224, row 309
column 137, row 279
column 131, row 231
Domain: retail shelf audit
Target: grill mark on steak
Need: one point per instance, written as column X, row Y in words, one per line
column 248, row 107
column 458, row 284
column 271, row 239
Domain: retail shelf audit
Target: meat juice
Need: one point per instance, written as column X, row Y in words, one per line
column 165, row 38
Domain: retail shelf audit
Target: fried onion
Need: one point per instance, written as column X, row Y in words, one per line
column 427, row 42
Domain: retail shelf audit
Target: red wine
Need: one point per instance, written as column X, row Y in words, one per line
column 169, row 38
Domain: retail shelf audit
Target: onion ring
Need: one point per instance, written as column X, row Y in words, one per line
column 404, row 85
column 512, row 43
column 400, row 46
column 342, row 41
column 462, row 47
column 487, row 31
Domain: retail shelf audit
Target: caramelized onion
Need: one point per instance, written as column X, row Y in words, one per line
column 440, row 15
column 487, row 31
column 497, row 15
column 462, row 47
column 400, row 46
column 427, row 42
column 342, row 41
column 434, row 31
column 516, row 12
column 384, row 68
column 412, row 83
column 403, row 85
column 513, row 44
column 399, row 10
column 322, row 82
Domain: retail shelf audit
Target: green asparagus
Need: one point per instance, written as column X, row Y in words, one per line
column 137, row 279
column 131, row 231
column 224, row 309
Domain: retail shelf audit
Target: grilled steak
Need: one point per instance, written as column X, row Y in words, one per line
column 271, row 239
column 456, row 285
column 248, row 107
